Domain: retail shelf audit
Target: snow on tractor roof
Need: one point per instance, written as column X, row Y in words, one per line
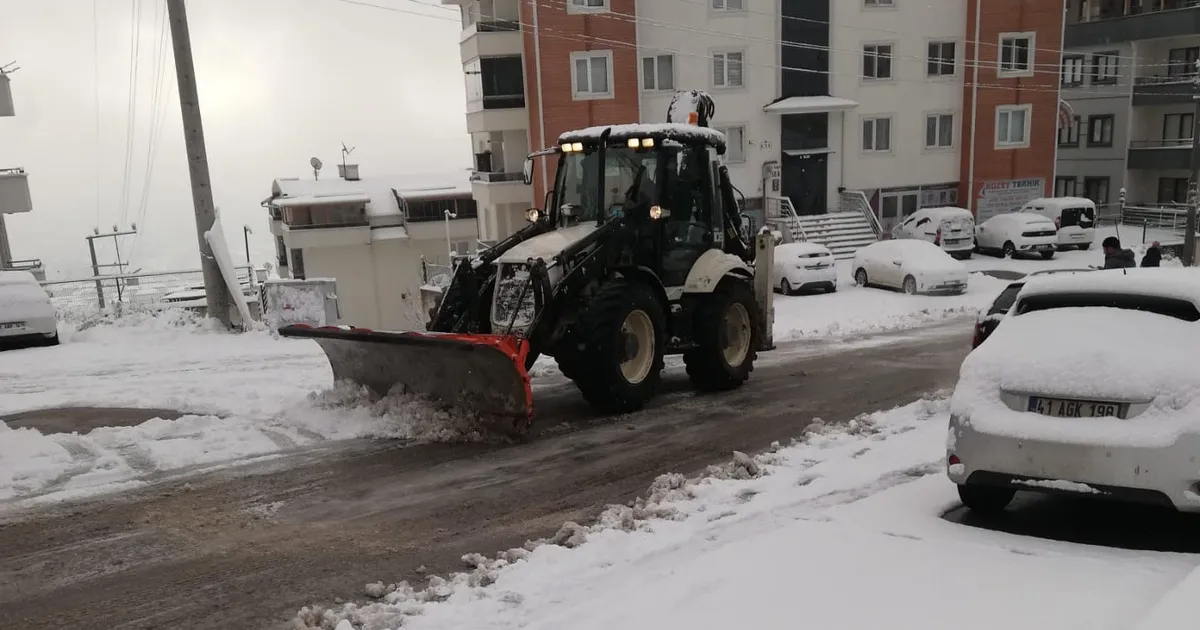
column 688, row 134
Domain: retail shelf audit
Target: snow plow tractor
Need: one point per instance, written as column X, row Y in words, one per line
column 640, row 252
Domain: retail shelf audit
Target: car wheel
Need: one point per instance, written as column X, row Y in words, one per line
column 786, row 287
column 1085, row 247
column 1009, row 250
column 860, row 277
column 1047, row 255
column 831, row 289
column 985, row 499
column 910, row 285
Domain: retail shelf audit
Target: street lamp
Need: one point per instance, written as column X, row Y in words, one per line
column 449, row 245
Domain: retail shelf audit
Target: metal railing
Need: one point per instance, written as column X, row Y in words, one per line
column 83, row 298
column 1159, row 79
column 1162, row 143
column 495, row 177
column 1149, row 6
column 781, row 210
column 857, row 200
column 1163, row 216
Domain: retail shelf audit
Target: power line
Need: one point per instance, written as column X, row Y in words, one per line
column 131, row 112
column 96, row 94
column 552, row 33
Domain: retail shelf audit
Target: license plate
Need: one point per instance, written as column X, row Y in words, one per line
column 1040, row 247
column 1060, row 408
column 1076, row 236
column 12, row 325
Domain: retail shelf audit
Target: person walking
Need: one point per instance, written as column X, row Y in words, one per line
column 1153, row 256
column 1114, row 256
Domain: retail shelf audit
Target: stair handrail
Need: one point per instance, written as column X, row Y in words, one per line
column 864, row 208
column 785, row 210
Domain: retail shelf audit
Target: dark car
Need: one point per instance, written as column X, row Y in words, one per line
column 988, row 321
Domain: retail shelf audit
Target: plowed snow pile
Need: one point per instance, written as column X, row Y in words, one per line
column 841, row 529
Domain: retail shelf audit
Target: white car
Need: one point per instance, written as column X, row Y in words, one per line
column 1017, row 234
column 912, row 265
column 804, row 267
column 1075, row 218
column 1088, row 387
column 26, row 314
column 951, row 228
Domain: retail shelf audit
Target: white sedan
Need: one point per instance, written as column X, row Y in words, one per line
column 1087, row 387
column 912, row 265
column 1017, row 234
column 804, row 267
column 26, row 314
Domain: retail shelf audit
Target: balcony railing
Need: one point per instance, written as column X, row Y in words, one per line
column 497, row 26
column 1143, row 7
column 1164, row 153
column 1148, row 19
column 503, row 101
column 496, row 177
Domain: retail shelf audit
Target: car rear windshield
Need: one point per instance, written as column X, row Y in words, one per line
column 1005, row 300
column 1169, row 307
column 1084, row 217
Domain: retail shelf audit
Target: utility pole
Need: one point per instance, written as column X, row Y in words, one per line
column 96, row 266
column 1189, row 234
column 219, row 301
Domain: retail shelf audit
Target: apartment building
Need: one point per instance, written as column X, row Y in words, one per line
column 1127, row 73
column 817, row 98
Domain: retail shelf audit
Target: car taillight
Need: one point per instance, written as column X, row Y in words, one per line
column 978, row 338
column 937, row 240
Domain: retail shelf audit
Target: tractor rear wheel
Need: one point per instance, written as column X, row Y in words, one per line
column 727, row 329
column 623, row 337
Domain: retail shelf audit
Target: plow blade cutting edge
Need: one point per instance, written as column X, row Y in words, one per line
column 481, row 374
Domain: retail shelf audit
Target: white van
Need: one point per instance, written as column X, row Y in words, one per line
column 1074, row 217
column 951, row 228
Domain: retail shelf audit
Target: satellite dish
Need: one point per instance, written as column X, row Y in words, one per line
column 316, row 165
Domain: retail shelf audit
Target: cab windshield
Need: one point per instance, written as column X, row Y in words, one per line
column 630, row 176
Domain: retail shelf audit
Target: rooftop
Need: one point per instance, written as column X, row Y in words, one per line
column 379, row 193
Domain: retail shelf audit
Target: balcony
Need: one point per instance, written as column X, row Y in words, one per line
column 1176, row 89
column 491, row 38
column 1143, row 19
column 1167, row 154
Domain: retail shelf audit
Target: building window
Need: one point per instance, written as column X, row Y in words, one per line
column 735, row 144
column 901, row 203
column 941, row 59
column 1016, row 54
column 1064, row 186
column 281, row 251
column 877, row 61
column 1072, row 71
column 727, row 5
column 658, row 72
column 1178, row 127
column 1182, row 61
column 879, row 3
column 436, row 209
column 297, row 266
column 1068, row 135
column 877, row 134
column 1100, row 131
column 1096, row 189
column 502, row 81
column 587, row 6
column 1104, row 68
column 727, row 69
column 939, row 131
column 1172, row 190
column 591, row 74
column 1012, row 126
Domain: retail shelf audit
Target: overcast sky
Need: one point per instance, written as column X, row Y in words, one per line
column 280, row 81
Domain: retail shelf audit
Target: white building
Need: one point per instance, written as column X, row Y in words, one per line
column 379, row 238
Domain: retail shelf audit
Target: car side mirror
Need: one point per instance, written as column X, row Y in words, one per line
column 527, row 170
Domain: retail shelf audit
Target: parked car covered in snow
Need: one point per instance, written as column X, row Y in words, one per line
column 951, row 228
column 805, row 267
column 1073, row 217
column 26, row 314
column 1017, row 234
column 987, row 322
column 1089, row 387
column 914, row 266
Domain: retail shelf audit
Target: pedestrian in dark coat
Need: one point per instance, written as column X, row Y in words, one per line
column 1115, row 257
column 1153, row 257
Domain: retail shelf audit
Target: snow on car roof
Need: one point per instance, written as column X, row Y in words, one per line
column 1178, row 283
column 801, row 248
column 1027, row 217
column 664, row 131
column 948, row 211
column 17, row 277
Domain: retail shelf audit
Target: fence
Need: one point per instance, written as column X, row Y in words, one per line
column 141, row 292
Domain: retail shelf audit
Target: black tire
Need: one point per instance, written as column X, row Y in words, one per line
column 786, row 287
column 1085, row 247
column 910, row 285
column 1009, row 250
column 832, row 289
column 1047, row 255
column 985, row 499
column 860, row 277
column 598, row 373
column 708, row 367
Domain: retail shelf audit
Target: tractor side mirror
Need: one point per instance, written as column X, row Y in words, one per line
column 527, row 170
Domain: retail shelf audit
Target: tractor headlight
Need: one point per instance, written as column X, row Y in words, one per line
column 532, row 215
column 658, row 212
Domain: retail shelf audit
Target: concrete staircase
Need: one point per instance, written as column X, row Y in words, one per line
column 844, row 233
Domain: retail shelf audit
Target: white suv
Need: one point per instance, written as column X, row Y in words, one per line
column 26, row 314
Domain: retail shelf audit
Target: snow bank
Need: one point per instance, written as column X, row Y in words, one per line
column 857, row 508
column 48, row 467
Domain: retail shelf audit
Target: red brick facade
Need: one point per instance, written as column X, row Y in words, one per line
column 994, row 164
column 559, row 34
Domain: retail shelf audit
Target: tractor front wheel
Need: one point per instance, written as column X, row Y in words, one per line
column 623, row 339
column 727, row 328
